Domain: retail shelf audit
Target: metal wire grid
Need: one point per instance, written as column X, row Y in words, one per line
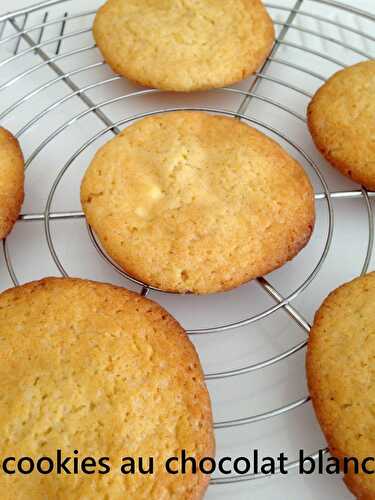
column 18, row 21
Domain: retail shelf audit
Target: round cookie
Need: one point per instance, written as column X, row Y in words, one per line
column 95, row 368
column 184, row 45
column 341, row 376
column 11, row 181
column 193, row 202
column 341, row 118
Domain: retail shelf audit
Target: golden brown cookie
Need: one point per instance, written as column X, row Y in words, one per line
column 341, row 376
column 11, row 181
column 95, row 368
column 341, row 118
column 184, row 45
column 192, row 202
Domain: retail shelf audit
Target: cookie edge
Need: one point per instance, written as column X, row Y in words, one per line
column 12, row 211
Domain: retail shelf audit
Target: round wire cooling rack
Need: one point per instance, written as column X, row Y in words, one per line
column 27, row 38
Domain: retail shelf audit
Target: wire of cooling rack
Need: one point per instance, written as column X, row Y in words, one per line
column 18, row 21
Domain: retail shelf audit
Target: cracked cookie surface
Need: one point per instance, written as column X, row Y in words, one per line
column 341, row 119
column 92, row 367
column 341, row 376
column 193, row 202
column 184, row 45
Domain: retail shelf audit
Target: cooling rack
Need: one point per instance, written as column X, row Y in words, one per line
column 62, row 102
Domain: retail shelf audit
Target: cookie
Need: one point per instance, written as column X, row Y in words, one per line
column 95, row 368
column 11, row 181
column 341, row 376
column 184, row 45
column 341, row 119
column 193, row 202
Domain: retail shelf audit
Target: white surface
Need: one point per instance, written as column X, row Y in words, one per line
column 236, row 397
